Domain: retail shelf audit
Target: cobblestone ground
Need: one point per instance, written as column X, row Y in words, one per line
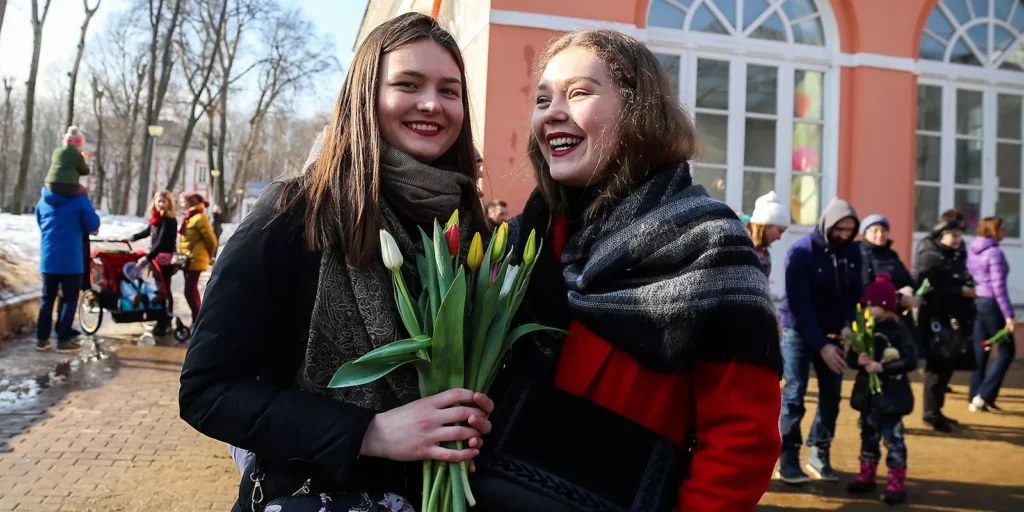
column 111, row 439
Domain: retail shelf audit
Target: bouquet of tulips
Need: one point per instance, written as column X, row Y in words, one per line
column 459, row 330
column 1000, row 337
column 863, row 342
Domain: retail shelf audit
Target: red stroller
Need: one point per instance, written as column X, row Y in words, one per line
column 106, row 275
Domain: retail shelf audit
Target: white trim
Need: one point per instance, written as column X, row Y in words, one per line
column 556, row 23
column 877, row 60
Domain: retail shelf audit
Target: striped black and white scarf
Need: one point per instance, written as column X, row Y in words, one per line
column 671, row 276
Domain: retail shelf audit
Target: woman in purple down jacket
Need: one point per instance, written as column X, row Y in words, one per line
column 987, row 263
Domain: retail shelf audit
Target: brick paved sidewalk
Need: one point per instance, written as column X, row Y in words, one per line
column 117, row 446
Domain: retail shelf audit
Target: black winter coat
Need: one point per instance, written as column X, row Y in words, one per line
column 946, row 270
column 897, row 397
column 163, row 237
column 247, row 347
column 878, row 259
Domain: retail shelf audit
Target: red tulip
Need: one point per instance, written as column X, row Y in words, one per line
column 451, row 235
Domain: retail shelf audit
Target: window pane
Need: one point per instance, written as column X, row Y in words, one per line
column 1002, row 41
column 962, row 54
column 662, row 14
column 809, row 32
column 771, row 29
column 931, row 48
column 671, row 65
column 807, row 91
column 926, row 207
column 1008, row 167
column 928, row 157
column 759, row 146
column 968, row 162
column 1003, row 8
column 712, row 179
column 979, row 36
column 752, row 9
column 959, row 10
column 968, row 201
column 796, row 9
column 728, row 9
column 705, row 21
column 980, row 8
column 755, row 185
column 940, row 25
column 1009, row 116
column 806, row 147
column 714, row 136
column 762, row 88
column 805, row 200
column 712, row 84
column 968, row 112
column 929, row 108
column 1008, row 207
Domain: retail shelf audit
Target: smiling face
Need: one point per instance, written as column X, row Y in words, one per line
column 419, row 100
column 877, row 235
column 577, row 113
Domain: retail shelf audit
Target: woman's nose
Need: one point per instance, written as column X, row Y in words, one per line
column 430, row 104
column 555, row 113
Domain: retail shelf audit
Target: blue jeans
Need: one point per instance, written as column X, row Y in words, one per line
column 797, row 361
column 875, row 427
column 987, row 381
column 69, row 286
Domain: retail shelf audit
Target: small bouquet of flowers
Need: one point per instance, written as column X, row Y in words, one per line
column 863, row 342
column 1000, row 337
column 460, row 329
column 924, row 289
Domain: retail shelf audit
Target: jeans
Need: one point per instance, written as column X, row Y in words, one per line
column 875, row 427
column 69, row 286
column 192, row 292
column 797, row 360
column 987, row 381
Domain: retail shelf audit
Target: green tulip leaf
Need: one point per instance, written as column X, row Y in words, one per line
column 359, row 373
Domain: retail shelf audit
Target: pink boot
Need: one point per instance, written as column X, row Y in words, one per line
column 865, row 481
column 894, row 492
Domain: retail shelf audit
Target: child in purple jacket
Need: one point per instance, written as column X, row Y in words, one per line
column 987, row 264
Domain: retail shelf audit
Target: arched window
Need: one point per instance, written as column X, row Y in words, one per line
column 969, row 122
column 757, row 76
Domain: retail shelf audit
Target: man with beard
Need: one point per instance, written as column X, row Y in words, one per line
column 823, row 287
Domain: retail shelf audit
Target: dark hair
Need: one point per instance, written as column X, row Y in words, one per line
column 953, row 215
column 498, row 202
column 340, row 193
column 990, row 227
column 653, row 129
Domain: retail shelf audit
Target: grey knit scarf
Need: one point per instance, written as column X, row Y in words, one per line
column 354, row 311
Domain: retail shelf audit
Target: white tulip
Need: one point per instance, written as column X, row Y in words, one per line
column 510, row 279
column 389, row 252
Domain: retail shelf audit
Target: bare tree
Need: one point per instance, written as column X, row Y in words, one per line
column 157, row 89
column 293, row 59
column 3, row 9
column 101, row 172
column 30, row 103
column 5, row 137
column 78, row 59
column 198, row 65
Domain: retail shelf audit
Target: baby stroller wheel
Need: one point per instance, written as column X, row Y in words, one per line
column 90, row 314
column 182, row 333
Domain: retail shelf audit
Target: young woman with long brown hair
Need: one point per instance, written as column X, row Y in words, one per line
column 300, row 289
column 658, row 284
column 163, row 233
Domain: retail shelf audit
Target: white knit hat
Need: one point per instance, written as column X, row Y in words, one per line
column 768, row 210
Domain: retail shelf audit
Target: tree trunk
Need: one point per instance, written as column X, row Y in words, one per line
column 101, row 172
column 78, row 60
column 5, row 137
column 3, row 9
column 125, row 176
column 221, row 143
column 30, row 105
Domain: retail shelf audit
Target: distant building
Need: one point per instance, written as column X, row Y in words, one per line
column 250, row 194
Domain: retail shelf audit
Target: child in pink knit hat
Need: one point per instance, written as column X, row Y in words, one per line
column 67, row 164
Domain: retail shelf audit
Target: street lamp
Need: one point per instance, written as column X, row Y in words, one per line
column 216, row 174
column 155, row 131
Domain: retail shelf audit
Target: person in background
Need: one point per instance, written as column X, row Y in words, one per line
column 879, row 258
column 823, row 287
column 497, row 212
column 163, row 231
column 218, row 223
column 766, row 225
column 198, row 243
column 946, row 318
column 881, row 417
column 987, row 264
column 63, row 221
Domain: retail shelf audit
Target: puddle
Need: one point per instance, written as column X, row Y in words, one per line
column 89, row 368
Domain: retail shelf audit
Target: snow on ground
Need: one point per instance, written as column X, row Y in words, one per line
column 19, row 247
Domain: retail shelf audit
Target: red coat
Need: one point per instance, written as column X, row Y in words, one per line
column 735, row 405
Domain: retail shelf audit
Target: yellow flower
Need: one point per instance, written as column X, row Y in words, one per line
column 530, row 252
column 453, row 220
column 476, row 252
column 498, row 247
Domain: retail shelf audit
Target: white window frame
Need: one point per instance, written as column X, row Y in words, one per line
column 201, row 172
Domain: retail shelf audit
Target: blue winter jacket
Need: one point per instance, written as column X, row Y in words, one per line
column 64, row 221
column 822, row 287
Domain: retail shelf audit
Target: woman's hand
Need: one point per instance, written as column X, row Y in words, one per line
column 1010, row 324
column 415, row 431
column 906, row 291
column 864, row 360
column 910, row 301
column 874, row 367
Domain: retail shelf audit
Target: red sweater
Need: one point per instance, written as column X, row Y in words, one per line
column 735, row 407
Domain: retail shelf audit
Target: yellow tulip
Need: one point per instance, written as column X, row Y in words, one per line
column 476, row 252
column 500, row 237
column 453, row 220
column 530, row 252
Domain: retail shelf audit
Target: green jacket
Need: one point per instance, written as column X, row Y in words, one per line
column 66, row 165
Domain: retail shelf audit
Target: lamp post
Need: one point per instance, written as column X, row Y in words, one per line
column 215, row 174
column 155, row 131
column 238, row 205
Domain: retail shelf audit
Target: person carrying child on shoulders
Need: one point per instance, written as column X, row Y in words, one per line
column 882, row 414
